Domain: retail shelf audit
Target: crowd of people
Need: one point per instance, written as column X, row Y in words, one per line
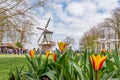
column 13, row 50
column 6, row 50
column 38, row 51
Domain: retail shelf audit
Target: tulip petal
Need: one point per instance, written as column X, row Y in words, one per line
column 97, row 61
column 93, row 63
column 32, row 53
column 62, row 46
column 54, row 57
column 102, row 61
column 47, row 53
column 103, row 51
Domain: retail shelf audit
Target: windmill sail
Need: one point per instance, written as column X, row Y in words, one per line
column 47, row 23
column 40, row 37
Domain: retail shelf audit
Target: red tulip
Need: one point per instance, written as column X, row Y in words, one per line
column 103, row 51
column 54, row 57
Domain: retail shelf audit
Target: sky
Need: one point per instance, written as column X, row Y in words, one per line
column 71, row 18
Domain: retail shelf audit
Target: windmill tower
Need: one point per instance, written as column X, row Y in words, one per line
column 45, row 37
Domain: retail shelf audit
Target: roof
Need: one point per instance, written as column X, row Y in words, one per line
column 47, row 43
column 9, row 45
column 106, row 40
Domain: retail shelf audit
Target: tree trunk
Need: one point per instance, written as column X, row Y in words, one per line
column 119, row 40
column 1, row 38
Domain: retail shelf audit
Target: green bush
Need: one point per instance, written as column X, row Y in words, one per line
column 19, row 44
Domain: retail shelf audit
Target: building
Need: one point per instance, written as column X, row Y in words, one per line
column 107, row 44
column 107, row 40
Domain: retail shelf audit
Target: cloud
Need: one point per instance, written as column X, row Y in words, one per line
column 73, row 17
column 75, row 9
column 107, row 4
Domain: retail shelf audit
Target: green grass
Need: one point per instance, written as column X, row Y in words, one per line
column 10, row 62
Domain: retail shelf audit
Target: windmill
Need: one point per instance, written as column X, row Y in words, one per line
column 46, row 42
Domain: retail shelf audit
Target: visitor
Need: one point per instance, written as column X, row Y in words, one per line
column 38, row 51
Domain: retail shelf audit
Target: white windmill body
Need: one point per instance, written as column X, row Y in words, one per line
column 46, row 36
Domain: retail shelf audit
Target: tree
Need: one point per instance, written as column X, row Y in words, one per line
column 114, row 23
column 8, row 9
column 69, row 40
column 108, row 29
column 88, row 38
column 16, row 19
column 23, row 32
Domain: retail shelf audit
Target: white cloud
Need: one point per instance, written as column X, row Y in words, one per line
column 75, row 9
column 90, row 7
column 73, row 18
column 107, row 4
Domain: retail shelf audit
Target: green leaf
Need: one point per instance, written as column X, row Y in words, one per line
column 29, row 68
column 27, row 76
column 61, row 60
column 45, row 65
column 12, row 76
column 116, row 58
column 109, row 65
column 61, row 75
column 50, row 74
column 28, row 58
column 111, row 74
column 39, row 59
column 18, row 73
column 58, row 54
column 80, row 72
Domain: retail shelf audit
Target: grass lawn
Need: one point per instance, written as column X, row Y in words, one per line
column 10, row 62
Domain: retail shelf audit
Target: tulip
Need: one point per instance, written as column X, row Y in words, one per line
column 97, row 61
column 110, row 51
column 47, row 53
column 54, row 56
column 103, row 51
column 32, row 53
column 62, row 46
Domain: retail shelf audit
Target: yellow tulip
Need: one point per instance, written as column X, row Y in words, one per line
column 54, row 56
column 32, row 53
column 97, row 61
column 62, row 46
column 47, row 53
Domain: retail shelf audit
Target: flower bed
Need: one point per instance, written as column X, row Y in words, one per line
column 67, row 64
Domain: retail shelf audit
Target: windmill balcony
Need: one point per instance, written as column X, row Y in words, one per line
column 47, row 43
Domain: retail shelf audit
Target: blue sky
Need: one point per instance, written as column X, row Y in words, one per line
column 71, row 17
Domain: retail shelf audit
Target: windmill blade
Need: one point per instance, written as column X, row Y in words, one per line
column 40, row 37
column 40, row 28
column 47, row 23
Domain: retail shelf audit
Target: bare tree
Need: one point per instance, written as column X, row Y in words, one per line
column 11, row 12
column 24, row 32
column 69, row 40
column 114, row 23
